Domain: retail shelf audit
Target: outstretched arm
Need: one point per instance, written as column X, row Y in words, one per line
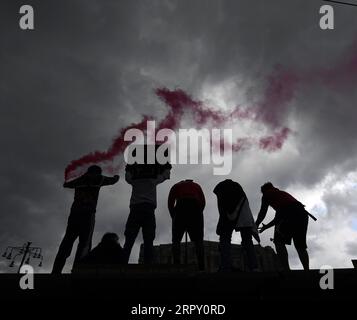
column 107, row 181
column 262, row 212
column 75, row 183
column 267, row 226
column 165, row 175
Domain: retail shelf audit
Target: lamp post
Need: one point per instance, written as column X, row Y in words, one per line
column 26, row 251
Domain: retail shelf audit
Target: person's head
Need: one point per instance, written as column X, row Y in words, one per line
column 94, row 170
column 110, row 238
column 266, row 186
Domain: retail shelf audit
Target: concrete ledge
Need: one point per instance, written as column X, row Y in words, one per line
column 161, row 284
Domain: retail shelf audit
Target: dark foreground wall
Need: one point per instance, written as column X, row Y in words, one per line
column 164, row 286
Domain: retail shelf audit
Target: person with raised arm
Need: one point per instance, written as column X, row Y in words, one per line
column 81, row 220
column 144, row 180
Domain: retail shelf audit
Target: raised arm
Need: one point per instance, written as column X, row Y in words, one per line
column 262, row 212
column 165, row 175
column 107, row 181
column 75, row 183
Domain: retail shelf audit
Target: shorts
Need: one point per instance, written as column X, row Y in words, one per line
column 187, row 217
column 292, row 226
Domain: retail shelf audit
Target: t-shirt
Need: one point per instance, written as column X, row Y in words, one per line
column 228, row 193
column 87, row 188
column 278, row 199
column 144, row 190
column 186, row 189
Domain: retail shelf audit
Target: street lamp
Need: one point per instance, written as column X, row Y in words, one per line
column 26, row 251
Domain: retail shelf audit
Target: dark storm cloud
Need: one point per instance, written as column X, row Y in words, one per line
column 90, row 68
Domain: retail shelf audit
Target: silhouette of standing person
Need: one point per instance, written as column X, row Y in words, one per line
column 291, row 222
column 186, row 202
column 82, row 217
column 235, row 215
column 142, row 206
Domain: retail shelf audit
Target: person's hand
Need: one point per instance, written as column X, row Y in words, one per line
column 263, row 228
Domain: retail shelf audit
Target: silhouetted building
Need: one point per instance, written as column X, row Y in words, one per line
column 354, row 262
column 267, row 258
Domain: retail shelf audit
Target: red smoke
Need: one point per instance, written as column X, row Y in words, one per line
column 282, row 86
column 179, row 104
column 118, row 146
column 280, row 91
column 276, row 141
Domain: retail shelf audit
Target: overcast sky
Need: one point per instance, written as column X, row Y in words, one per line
column 91, row 67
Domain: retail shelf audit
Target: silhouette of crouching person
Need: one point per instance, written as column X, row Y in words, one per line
column 107, row 253
column 81, row 220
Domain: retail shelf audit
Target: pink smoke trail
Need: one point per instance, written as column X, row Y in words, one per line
column 179, row 104
column 282, row 87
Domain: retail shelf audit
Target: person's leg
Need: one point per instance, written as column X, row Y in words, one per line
column 66, row 245
column 132, row 228
column 283, row 236
column 149, row 230
column 200, row 253
column 178, row 230
column 85, row 238
column 248, row 247
column 195, row 230
column 225, row 250
column 299, row 238
column 281, row 251
column 304, row 258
